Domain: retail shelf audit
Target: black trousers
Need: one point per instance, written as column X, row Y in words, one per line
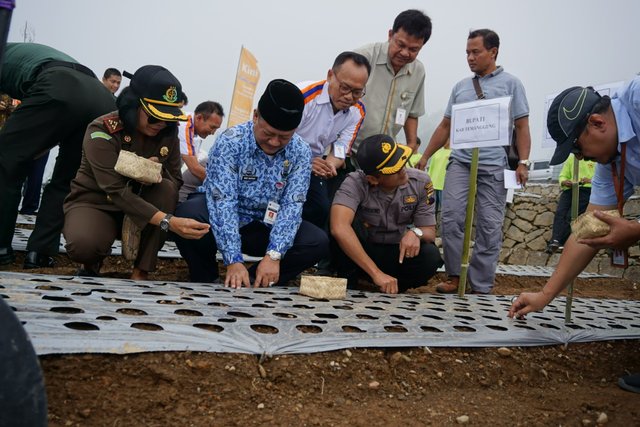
column 562, row 220
column 412, row 273
column 310, row 244
column 316, row 207
column 33, row 187
column 56, row 110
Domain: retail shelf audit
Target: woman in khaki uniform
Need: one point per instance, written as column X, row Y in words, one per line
column 100, row 197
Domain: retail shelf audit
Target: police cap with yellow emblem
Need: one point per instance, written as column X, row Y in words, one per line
column 159, row 91
column 380, row 154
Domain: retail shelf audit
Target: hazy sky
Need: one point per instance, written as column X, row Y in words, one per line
column 549, row 44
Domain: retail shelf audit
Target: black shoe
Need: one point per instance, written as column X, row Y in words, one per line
column 35, row 260
column 630, row 383
column 6, row 256
column 89, row 270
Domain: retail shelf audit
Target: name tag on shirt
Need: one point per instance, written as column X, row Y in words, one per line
column 401, row 116
column 271, row 213
column 338, row 151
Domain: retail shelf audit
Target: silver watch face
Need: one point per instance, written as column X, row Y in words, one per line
column 417, row 231
column 164, row 225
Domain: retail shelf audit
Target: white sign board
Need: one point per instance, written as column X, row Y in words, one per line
column 482, row 123
column 605, row 89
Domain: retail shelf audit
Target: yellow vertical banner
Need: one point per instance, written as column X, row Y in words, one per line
column 244, row 89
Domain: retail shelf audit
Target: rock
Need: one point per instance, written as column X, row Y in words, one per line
column 508, row 243
column 85, row 413
column 537, row 257
column 504, row 254
column 605, row 267
column 514, row 233
column 262, row 371
column 504, row 352
column 586, row 422
column 522, row 225
column 545, row 219
column 260, row 405
column 395, row 358
column 526, row 214
column 462, row 419
column 533, row 235
column 374, row 385
column 602, row 418
column 519, row 257
column 632, row 273
column 348, row 353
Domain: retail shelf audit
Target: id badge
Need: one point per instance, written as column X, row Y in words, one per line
column 338, row 151
column 401, row 116
column 271, row 213
column 620, row 258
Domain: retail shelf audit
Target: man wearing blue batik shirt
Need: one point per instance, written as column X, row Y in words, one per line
column 253, row 193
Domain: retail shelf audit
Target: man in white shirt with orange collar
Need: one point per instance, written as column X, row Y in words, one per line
column 204, row 121
column 330, row 123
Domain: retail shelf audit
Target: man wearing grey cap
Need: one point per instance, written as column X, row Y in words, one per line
column 255, row 185
column 605, row 130
column 383, row 219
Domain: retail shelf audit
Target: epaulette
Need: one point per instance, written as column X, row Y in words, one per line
column 113, row 124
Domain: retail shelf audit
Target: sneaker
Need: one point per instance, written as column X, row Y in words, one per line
column 553, row 247
column 630, row 383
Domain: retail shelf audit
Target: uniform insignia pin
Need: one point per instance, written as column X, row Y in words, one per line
column 164, row 151
column 127, row 138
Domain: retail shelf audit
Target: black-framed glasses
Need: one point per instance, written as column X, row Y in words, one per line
column 345, row 89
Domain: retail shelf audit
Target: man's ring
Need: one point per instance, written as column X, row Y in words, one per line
column 271, row 284
column 514, row 299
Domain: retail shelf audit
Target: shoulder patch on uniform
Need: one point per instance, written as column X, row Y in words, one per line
column 430, row 196
column 113, row 124
column 102, row 135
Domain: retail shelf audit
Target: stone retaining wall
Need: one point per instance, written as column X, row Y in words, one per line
column 527, row 229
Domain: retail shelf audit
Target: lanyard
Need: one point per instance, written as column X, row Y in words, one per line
column 618, row 182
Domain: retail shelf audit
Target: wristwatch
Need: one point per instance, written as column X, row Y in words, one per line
column 274, row 255
column 164, row 224
column 525, row 162
column 418, row 232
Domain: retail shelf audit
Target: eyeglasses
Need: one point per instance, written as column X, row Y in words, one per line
column 345, row 89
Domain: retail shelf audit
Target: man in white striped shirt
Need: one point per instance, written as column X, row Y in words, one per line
column 331, row 120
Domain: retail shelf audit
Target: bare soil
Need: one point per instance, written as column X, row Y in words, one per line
column 536, row 386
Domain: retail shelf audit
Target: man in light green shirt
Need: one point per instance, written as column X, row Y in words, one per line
column 562, row 220
column 437, row 171
column 395, row 91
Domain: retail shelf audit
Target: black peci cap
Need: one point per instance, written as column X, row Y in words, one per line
column 281, row 105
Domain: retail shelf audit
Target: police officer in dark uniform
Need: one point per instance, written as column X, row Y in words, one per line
column 383, row 219
column 145, row 124
column 59, row 98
